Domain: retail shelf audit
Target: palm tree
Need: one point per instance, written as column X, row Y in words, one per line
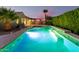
column 45, row 12
column 7, row 15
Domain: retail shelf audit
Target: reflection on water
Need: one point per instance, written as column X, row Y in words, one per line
column 54, row 37
column 33, row 35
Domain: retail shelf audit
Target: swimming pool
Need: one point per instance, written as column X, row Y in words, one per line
column 41, row 39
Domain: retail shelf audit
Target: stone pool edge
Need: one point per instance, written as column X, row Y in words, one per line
column 8, row 38
column 66, row 35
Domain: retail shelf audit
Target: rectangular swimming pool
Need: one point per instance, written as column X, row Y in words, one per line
column 41, row 39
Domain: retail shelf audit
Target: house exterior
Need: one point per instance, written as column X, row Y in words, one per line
column 27, row 21
column 22, row 17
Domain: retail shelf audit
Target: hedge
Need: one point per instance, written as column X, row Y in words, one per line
column 68, row 20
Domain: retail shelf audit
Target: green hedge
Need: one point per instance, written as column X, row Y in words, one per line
column 68, row 20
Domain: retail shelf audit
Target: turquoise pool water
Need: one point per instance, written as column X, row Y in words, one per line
column 41, row 39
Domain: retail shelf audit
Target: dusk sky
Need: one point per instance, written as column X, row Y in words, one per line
column 37, row 11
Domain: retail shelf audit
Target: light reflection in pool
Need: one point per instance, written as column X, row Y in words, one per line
column 33, row 35
column 53, row 36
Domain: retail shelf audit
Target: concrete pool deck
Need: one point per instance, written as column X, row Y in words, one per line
column 7, row 38
column 70, row 33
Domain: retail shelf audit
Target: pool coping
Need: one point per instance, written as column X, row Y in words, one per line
column 67, row 35
column 8, row 38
